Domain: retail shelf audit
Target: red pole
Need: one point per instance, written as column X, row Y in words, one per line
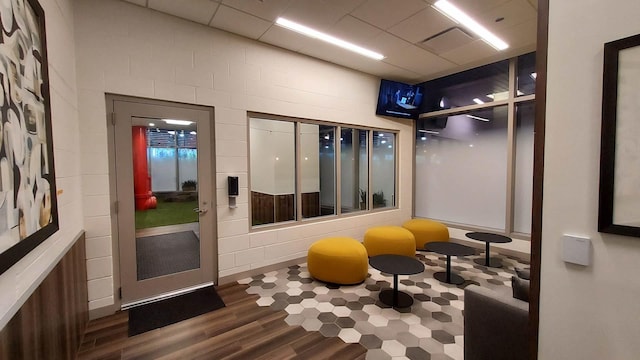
column 141, row 178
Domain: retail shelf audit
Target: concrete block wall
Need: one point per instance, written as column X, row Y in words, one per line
column 129, row 50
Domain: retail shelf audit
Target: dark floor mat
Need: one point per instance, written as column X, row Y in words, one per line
column 162, row 313
column 166, row 254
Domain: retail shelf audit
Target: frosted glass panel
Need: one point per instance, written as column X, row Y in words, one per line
column 525, row 115
column 354, row 169
column 461, row 167
column 272, row 163
column 187, row 165
column 162, row 162
column 383, row 165
column 317, row 170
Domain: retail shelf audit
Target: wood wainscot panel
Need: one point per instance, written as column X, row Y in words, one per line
column 262, row 209
column 51, row 323
column 310, row 204
column 285, row 207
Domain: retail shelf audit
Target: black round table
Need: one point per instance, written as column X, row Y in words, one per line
column 449, row 249
column 396, row 265
column 488, row 238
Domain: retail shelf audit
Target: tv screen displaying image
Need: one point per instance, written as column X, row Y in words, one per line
column 398, row 99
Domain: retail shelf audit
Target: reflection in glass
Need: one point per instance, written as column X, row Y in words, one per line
column 526, row 78
column 523, row 171
column 272, row 157
column 383, row 165
column 317, row 170
column 461, row 167
column 484, row 84
column 354, row 169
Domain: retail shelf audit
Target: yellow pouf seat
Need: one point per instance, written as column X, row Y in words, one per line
column 338, row 260
column 382, row 240
column 426, row 231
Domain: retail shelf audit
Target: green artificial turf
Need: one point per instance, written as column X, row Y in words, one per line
column 167, row 213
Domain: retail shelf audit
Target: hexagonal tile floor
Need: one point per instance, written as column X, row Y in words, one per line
column 432, row 328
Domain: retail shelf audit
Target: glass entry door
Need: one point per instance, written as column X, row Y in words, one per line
column 166, row 206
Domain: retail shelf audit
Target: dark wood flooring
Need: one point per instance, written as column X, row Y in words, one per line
column 241, row 330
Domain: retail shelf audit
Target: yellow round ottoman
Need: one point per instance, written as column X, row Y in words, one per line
column 426, row 231
column 381, row 240
column 338, row 260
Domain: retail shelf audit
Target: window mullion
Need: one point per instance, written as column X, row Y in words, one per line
column 511, row 146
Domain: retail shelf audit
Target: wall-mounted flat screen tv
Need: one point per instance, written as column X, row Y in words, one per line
column 398, row 99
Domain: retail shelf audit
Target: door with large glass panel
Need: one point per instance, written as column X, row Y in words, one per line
column 165, row 203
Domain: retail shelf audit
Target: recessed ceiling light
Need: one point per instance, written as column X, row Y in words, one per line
column 312, row 33
column 177, row 122
column 152, row 124
column 461, row 17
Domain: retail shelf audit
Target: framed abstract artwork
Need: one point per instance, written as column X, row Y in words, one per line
column 619, row 207
column 28, row 207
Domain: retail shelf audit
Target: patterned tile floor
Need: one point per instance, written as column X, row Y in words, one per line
column 432, row 328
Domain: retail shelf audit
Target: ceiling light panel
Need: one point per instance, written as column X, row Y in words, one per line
column 465, row 20
column 315, row 34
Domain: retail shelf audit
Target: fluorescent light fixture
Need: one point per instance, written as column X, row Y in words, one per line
column 193, row 133
column 490, row 96
column 380, row 135
column 534, row 75
column 430, row 132
column 461, row 17
column 383, row 142
column 423, row 138
column 520, row 93
column 326, row 137
column 390, row 146
column 478, row 101
column 171, row 132
column 312, row 33
column 177, row 122
column 477, row 117
column 152, row 124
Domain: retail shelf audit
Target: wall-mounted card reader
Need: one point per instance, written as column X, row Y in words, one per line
column 576, row 250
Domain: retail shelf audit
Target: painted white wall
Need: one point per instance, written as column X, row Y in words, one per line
column 17, row 283
column 125, row 49
column 585, row 312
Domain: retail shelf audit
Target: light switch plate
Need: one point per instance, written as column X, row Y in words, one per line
column 576, row 250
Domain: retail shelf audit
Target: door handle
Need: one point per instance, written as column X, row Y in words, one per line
column 200, row 211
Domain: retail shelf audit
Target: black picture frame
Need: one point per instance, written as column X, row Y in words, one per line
column 28, row 195
column 617, row 198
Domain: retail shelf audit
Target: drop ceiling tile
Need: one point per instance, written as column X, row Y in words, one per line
column 284, row 38
column 354, row 30
column 422, row 25
column 384, row 13
column 346, row 6
column 317, row 14
column 238, row 22
column 267, row 10
column 475, row 7
column 514, row 12
column 386, row 44
column 475, row 51
column 199, row 11
column 521, row 35
column 419, row 60
column 138, row 2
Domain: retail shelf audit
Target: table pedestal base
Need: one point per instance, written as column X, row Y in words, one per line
column 454, row 279
column 493, row 262
column 404, row 299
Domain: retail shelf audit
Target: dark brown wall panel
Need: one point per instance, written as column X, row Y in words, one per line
column 50, row 325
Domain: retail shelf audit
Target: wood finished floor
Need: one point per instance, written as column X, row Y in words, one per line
column 241, row 330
